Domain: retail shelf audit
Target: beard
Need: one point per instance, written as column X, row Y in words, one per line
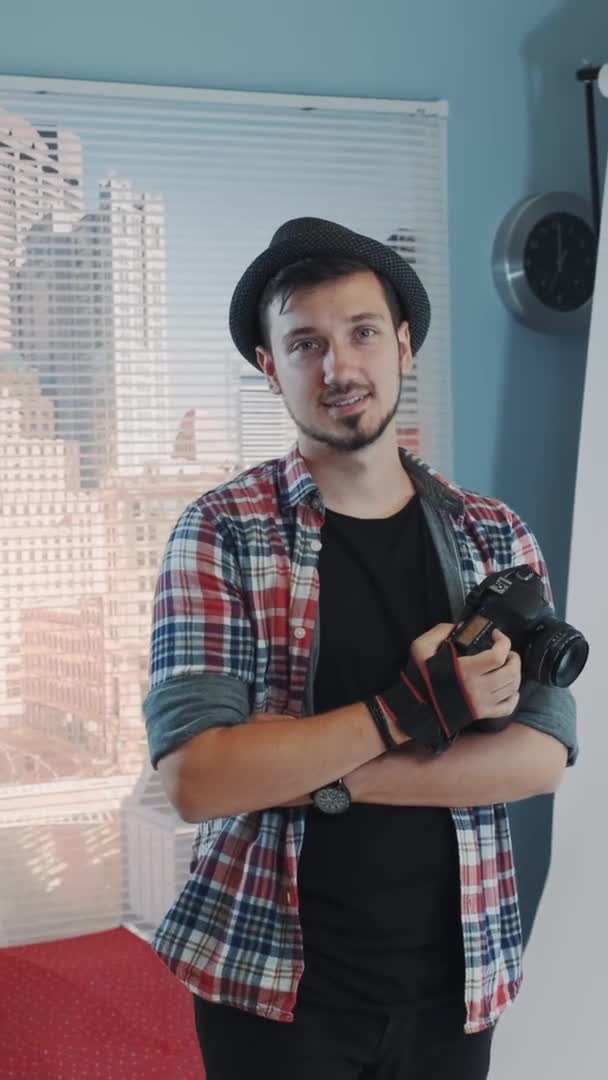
column 354, row 437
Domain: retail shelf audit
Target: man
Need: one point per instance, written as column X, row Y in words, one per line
column 352, row 908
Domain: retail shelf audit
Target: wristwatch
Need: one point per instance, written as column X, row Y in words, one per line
column 332, row 799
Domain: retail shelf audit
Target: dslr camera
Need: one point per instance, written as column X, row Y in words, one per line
column 552, row 652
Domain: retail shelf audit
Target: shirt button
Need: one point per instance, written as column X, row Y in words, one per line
column 316, row 503
column 299, row 633
column 315, row 545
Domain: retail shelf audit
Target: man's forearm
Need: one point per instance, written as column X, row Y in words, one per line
column 267, row 761
column 478, row 770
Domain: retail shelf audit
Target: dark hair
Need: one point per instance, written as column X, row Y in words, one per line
column 315, row 271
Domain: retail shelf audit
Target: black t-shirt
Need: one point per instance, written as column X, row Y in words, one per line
column 379, row 885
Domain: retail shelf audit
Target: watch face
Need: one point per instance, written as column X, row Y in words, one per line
column 333, row 799
column 559, row 261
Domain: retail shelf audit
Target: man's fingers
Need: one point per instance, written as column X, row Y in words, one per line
column 501, row 647
column 507, row 679
column 502, row 709
column 490, row 659
column 428, row 643
column 505, row 691
column 437, row 634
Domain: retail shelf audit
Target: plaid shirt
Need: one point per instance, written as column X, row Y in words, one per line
column 234, row 632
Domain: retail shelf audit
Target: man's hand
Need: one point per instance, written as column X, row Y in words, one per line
column 491, row 678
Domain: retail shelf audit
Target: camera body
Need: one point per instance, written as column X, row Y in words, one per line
column 514, row 601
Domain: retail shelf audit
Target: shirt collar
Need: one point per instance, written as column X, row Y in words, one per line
column 296, row 484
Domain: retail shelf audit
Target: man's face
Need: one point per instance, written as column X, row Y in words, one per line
column 337, row 360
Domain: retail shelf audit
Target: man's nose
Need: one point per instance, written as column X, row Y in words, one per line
column 338, row 364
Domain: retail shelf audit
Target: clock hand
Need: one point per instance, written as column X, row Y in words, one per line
column 559, row 244
column 554, row 281
column 561, row 254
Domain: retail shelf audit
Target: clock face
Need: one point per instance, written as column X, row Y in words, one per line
column 559, row 261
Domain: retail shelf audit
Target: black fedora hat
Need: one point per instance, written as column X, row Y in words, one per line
column 307, row 237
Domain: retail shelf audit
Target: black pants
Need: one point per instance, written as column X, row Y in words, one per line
column 325, row 1045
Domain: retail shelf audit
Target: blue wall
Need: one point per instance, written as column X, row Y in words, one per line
column 516, row 127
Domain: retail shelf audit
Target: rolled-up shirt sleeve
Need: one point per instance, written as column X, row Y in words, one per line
column 546, row 708
column 202, row 647
column 552, row 711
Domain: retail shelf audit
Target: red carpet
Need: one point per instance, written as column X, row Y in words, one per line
column 100, row 1007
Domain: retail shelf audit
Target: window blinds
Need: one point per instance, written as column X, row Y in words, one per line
column 127, row 214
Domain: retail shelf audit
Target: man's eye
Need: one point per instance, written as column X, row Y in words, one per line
column 366, row 331
column 305, row 346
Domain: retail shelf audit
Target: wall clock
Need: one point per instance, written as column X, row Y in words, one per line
column 544, row 261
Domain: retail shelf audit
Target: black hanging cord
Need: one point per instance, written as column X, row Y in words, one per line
column 588, row 76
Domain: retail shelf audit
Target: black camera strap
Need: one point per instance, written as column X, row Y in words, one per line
column 447, row 692
column 429, row 702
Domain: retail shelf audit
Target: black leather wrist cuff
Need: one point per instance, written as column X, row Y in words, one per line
column 447, row 692
column 415, row 718
column 381, row 722
column 430, row 703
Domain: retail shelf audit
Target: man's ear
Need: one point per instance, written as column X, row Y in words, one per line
column 266, row 364
column 406, row 357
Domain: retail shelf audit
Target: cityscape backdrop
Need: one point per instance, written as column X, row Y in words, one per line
column 123, row 227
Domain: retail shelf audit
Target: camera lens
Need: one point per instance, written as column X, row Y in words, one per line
column 556, row 654
column 569, row 665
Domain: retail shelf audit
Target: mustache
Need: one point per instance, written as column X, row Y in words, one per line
column 344, row 392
